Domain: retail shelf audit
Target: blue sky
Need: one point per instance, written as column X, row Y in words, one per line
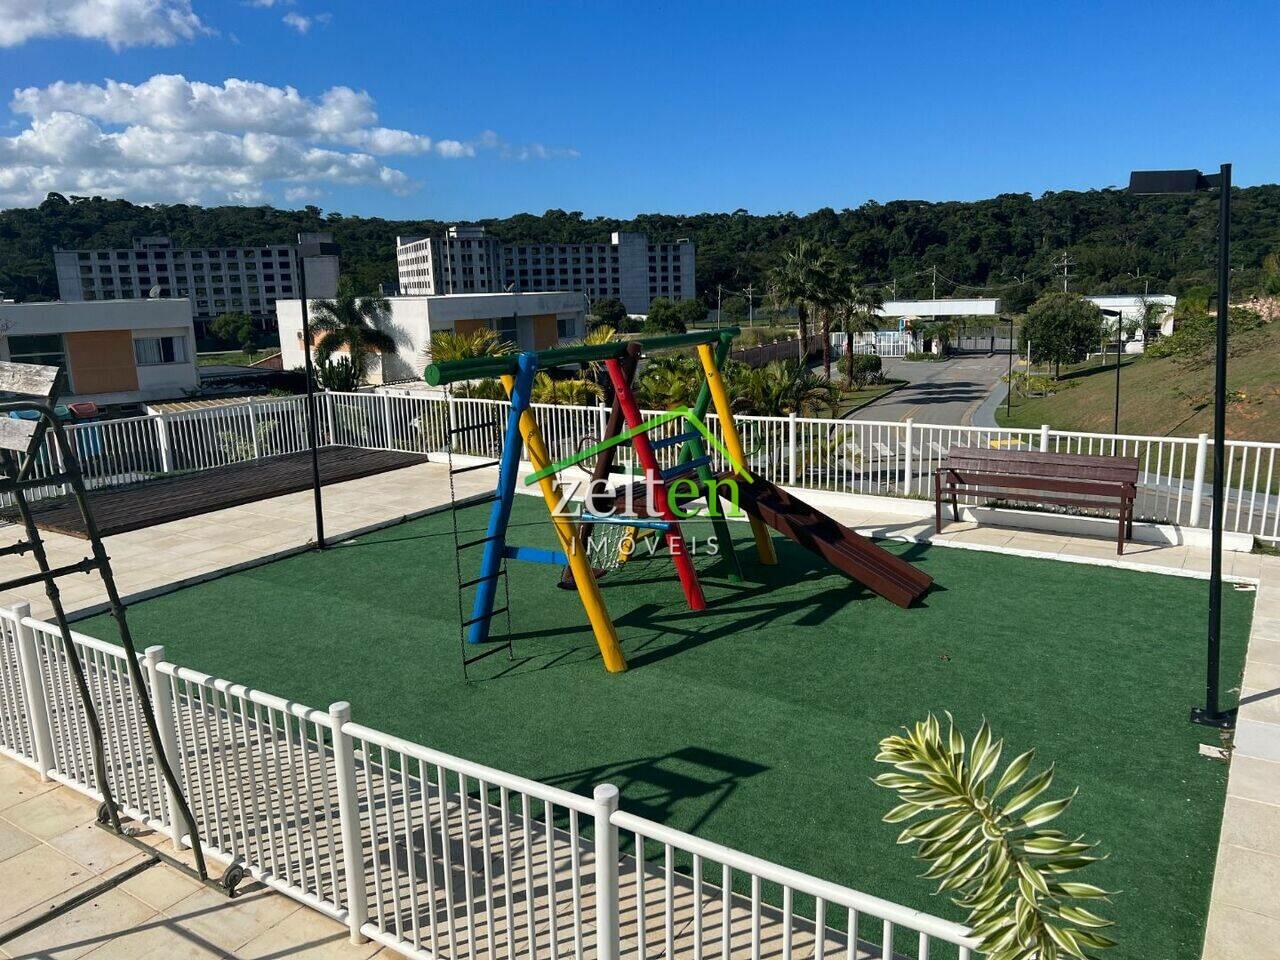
column 615, row 109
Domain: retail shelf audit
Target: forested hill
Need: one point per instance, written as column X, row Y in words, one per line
column 1011, row 242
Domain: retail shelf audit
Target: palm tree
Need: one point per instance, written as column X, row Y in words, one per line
column 805, row 279
column 575, row 392
column 668, row 381
column 447, row 345
column 857, row 312
column 349, row 322
column 783, row 387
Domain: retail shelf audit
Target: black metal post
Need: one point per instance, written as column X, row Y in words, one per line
column 1008, row 396
column 311, row 402
column 1212, row 714
column 1115, row 423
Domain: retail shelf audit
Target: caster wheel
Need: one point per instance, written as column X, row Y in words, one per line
column 104, row 813
column 232, row 877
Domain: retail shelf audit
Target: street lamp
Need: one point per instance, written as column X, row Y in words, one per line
column 1191, row 181
column 1115, row 315
column 1008, row 394
column 305, row 251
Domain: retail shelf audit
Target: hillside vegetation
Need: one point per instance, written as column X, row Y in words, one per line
column 1011, row 242
column 1169, row 396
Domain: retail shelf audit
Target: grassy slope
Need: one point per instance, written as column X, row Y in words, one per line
column 755, row 722
column 1167, row 397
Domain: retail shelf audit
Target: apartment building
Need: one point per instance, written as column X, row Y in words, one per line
column 118, row 352
column 216, row 280
column 628, row 267
column 529, row 321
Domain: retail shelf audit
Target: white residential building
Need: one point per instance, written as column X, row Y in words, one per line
column 217, row 280
column 1131, row 308
column 628, row 267
column 531, row 321
column 120, row 352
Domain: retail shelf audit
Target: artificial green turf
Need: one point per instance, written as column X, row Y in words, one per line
column 755, row 722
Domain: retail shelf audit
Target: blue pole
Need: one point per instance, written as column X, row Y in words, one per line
column 500, row 513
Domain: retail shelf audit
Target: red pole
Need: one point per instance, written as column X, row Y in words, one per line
column 644, row 453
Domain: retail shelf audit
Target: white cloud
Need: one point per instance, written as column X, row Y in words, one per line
column 119, row 23
column 169, row 139
column 297, row 21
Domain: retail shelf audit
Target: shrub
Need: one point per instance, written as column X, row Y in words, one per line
column 861, row 369
column 924, row 357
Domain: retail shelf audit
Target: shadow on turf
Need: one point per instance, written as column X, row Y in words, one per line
column 653, row 632
column 654, row 786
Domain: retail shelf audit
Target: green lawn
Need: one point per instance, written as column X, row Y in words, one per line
column 234, row 357
column 755, row 722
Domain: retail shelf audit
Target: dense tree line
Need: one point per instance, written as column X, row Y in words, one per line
column 1112, row 241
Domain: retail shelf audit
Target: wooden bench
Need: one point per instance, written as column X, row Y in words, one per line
column 1062, row 479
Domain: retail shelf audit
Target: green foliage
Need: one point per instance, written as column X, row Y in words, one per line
column 609, row 312
column 338, row 374
column 669, row 380
column 994, row 856
column 1062, row 328
column 988, row 242
column 755, row 336
column 733, row 312
column 918, row 357
column 780, row 388
column 237, row 328
column 569, row 392
column 446, row 345
column 861, row 369
column 667, row 316
column 1194, row 332
column 486, row 389
column 349, row 322
column 1036, row 385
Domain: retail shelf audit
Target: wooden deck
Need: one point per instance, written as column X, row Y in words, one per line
column 139, row 505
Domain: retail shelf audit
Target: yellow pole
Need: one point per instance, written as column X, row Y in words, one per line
column 583, row 576
column 733, row 443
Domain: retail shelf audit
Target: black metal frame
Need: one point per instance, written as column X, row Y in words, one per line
column 16, row 477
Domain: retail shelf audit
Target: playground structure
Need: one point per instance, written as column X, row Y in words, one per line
column 765, row 504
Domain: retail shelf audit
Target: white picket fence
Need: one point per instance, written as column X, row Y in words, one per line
column 428, row 853
column 841, row 456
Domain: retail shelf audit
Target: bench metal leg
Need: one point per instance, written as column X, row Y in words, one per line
column 937, row 503
column 1125, row 524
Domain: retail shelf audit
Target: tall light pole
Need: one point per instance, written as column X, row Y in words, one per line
column 1115, row 314
column 305, row 251
column 1191, row 181
column 1008, row 395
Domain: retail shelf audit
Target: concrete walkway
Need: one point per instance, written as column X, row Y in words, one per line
column 51, row 850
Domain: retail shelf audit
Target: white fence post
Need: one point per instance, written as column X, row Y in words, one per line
column 791, row 448
column 1044, row 438
column 1197, row 484
column 452, row 421
column 162, row 438
column 253, row 429
column 606, row 892
column 344, row 763
column 387, row 421
column 162, row 704
column 907, row 466
column 33, row 689
column 328, row 417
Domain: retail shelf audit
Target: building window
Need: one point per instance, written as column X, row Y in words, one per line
column 42, row 348
column 150, row 351
column 507, row 331
column 566, row 327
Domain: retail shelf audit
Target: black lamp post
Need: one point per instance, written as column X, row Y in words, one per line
column 1190, row 181
column 304, row 251
column 1115, row 314
column 1008, row 394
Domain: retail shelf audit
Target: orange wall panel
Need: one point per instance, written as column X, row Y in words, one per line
column 545, row 331
column 101, row 361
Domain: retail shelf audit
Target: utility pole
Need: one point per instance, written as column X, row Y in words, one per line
column 1066, row 262
column 935, row 283
column 717, row 306
column 751, row 306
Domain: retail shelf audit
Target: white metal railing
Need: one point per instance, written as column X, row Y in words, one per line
column 888, row 458
column 430, row 854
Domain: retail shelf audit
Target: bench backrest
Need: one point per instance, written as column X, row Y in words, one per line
column 23, row 381
column 1064, row 466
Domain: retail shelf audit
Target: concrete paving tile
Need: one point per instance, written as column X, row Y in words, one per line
column 1234, row 934
column 14, row 840
column 83, row 929
column 162, row 886
column 1247, row 879
column 157, row 939
column 1254, row 779
column 35, row 876
column 307, row 935
column 1248, row 823
column 50, row 814
column 93, row 847
column 1260, row 704
column 19, row 783
column 229, row 924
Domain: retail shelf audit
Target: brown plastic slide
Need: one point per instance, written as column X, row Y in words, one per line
column 853, row 555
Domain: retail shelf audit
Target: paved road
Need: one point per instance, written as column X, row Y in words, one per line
column 947, row 392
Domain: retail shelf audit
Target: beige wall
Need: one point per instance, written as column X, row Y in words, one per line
column 101, row 361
